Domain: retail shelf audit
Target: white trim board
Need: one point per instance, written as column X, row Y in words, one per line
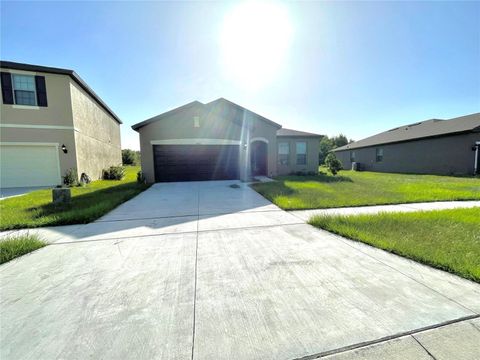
column 32, row 126
column 26, row 107
column 195, row 141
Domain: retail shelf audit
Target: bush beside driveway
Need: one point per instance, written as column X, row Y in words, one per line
column 88, row 203
column 350, row 188
column 445, row 239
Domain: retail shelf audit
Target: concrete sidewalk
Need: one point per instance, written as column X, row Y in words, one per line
column 136, row 218
column 202, row 270
column 426, row 206
column 440, row 343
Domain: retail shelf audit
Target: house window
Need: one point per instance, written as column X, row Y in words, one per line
column 283, row 153
column 379, row 155
column 352, row 156
column 196, row 121
column 24, row 89
column 301, row 151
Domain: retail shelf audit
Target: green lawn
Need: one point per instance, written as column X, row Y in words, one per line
column 350, row 188
column 88, row 203
column 445, row 239
column 19, row 245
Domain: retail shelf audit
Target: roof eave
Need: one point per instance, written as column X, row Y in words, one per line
column 141, row 124
column 301, row 136
column 343, row 148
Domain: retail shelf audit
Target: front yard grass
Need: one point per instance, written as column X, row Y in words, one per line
column 351, row 188
column 19, row 245
column 445, row 239
column 88, row 203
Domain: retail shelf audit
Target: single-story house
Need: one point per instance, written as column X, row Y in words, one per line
column 52, row 121
column 428, row 147
column 221, row 140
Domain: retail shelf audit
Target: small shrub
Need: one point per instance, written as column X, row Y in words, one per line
column 333, row 164
column 71, row 178
column 312, row 173
column 114, row 173
column 141, row 178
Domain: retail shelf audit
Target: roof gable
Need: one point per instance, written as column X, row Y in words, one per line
column 213, row 106
column 166, row 114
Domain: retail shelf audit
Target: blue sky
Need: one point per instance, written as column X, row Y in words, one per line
column 342, row 67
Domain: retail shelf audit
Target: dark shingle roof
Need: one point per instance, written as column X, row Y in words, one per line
column 51, row 70
column 296, row 133
column 419, row 130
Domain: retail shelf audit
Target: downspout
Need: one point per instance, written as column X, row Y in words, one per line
column 475, row 169
column 244, row 156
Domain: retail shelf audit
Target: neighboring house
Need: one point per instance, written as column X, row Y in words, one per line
column 51, row 121
column 428, row 147
column 221, row 140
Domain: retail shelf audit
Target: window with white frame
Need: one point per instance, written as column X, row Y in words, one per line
column 301, row 151
column 283, row 153
column 379, row 154
column 24, row 89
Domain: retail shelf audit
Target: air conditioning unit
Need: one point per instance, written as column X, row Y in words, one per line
column 356, row 166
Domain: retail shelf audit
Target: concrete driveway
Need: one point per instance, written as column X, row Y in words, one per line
column 205, row 271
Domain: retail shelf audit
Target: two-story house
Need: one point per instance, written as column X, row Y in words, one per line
column 52, row 121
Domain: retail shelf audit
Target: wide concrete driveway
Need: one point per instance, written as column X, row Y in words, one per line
column 204, row 270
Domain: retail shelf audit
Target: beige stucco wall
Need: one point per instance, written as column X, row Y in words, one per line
column 313, row 144
column 97, row 134
column 51, row 124
column 60, row 137
column 57, row 113
column 219, row 124
column 260, row 130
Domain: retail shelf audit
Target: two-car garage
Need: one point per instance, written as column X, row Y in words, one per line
column 195, row 162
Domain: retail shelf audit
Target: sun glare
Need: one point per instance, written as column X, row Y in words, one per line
column 255, row 39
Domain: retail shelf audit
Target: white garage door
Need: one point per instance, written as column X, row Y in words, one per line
column 29, row 165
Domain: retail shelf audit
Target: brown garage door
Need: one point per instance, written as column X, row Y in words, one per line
column 195, row 162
